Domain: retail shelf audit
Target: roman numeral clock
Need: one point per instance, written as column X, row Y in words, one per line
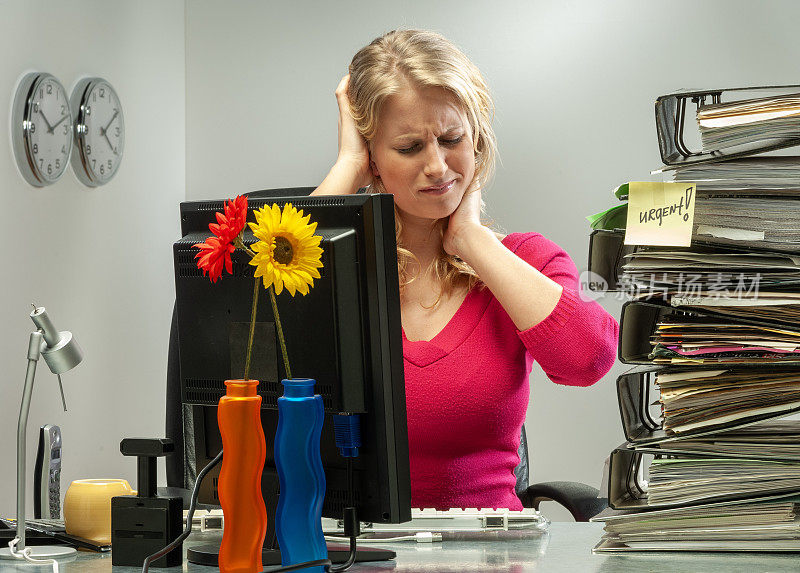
column 46, row 123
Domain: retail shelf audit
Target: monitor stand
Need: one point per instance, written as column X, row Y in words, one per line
column 209, row 554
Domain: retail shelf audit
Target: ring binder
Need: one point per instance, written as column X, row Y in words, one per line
column 635, row 395
column 628, row 490
column 670, row 113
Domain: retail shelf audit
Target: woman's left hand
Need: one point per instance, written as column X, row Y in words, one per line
column 465, row 220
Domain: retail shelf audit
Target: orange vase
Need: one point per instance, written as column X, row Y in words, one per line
column 239, row 485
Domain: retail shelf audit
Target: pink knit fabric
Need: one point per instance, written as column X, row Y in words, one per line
column 467, row 388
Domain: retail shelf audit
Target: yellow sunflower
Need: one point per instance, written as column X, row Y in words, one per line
column 287, row 253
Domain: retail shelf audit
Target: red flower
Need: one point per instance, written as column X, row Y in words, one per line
column 231, row 223
column 215, row 252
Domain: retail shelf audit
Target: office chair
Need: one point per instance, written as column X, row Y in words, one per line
column 579, row 499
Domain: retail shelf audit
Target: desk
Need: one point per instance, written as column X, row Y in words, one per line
column 566, row 548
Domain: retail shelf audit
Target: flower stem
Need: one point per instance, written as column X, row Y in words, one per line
column 252, row 329
column 280, row 331
column 239, row 244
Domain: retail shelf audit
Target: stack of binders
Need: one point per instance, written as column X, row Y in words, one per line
column 711, row 462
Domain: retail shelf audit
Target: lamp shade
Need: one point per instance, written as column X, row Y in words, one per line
column 59, row 349
column 66, row 354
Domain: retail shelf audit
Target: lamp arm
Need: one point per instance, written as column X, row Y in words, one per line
column 34, row 351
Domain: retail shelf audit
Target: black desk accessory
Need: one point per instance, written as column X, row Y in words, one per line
column 145, row 523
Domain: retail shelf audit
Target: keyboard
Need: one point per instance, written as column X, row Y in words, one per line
column 453, row 520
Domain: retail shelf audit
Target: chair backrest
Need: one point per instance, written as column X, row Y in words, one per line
column 522, row 471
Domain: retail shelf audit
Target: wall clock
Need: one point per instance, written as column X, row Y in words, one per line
column 41, row 128
column 99, row 131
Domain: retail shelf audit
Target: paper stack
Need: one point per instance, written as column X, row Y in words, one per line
column 711, row 462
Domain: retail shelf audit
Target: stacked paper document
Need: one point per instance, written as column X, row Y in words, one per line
column 773, row 439
column 729, row 124
column 706, row 340
column 765, row 222
column 773, row 174
column 770, row 525
column 691, row 480
column 726, row 273
column 708, row 399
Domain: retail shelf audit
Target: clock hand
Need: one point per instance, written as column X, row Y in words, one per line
column 109, row 142
column 110, row 121
column 49, row 127
column 65, row 116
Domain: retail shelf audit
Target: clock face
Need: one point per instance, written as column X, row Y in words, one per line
column 99, row 131
column 41, row 129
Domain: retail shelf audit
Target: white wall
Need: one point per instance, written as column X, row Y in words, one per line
column 98, row 259
column 247, row 102
column 574, row 82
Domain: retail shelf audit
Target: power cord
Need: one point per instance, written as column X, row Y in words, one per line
column 419, row 537
column 347, row 432
column 26, row 555
column 192, row 504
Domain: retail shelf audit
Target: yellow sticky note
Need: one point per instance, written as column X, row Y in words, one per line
column 660, row 213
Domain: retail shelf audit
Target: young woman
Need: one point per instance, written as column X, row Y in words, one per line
column 477, row 307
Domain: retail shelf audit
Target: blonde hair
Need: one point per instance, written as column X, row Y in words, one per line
column 425, row 59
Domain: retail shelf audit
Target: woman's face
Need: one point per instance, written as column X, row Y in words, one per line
column 423, row 151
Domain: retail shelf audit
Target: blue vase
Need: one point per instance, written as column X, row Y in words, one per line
column 302, row 480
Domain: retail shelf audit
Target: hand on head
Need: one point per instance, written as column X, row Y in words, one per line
column 353, row 151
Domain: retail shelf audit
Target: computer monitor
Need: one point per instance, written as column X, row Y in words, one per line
column 345, row 333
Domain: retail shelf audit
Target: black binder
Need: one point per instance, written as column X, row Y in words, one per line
column 642, row 426
column 639, row 320
column 627, row 488
column 671, row 110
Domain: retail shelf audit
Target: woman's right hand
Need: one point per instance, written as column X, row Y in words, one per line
column 353, row 151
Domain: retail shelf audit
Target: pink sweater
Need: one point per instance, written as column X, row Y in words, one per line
column 467, row 388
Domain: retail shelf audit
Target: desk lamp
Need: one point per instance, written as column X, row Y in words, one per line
column 61, row 353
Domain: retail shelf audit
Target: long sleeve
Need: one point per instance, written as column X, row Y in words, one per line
column 576, row 344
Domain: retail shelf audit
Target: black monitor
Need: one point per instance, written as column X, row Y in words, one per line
column 345, row 333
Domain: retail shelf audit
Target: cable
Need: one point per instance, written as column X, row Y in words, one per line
column 419, row 537
column 26, row 555
column 351, row 524
column 326, row 563
column 188, row 530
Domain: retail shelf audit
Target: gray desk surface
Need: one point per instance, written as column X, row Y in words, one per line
column 565, row 548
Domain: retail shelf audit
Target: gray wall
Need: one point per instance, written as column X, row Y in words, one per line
column 574, row 84
column 98, row 259
column 226, row 97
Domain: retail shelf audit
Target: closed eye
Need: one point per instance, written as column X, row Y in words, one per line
column 452, row 141
column 444, row 141
column 410, row 149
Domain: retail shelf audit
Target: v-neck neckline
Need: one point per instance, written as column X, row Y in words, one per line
column 425, row 352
